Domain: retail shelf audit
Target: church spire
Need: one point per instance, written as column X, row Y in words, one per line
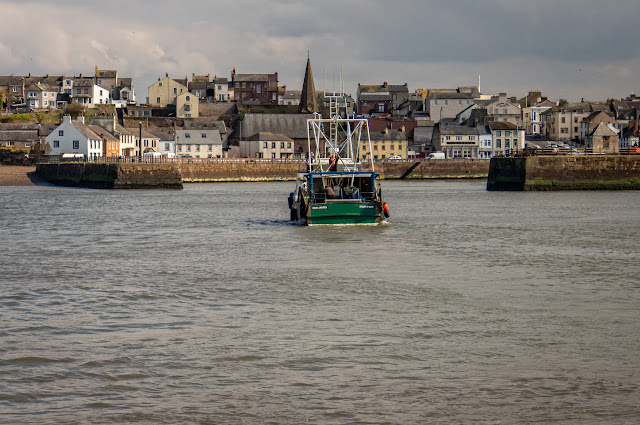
column 308, row 102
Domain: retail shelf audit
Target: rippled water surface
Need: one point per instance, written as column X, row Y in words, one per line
column 206, row 306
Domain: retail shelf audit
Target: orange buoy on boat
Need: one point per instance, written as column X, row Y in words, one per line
column 385, row 210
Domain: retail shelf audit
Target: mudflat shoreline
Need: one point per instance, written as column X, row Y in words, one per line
column 16, row 175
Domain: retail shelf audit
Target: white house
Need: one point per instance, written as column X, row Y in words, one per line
column 198, row 143
column 485, row 142
column 74, row 137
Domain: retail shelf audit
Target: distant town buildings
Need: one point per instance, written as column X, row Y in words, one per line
column 200, row 117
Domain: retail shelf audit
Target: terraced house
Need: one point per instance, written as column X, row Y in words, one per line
column 198, row 143
column 386, row 144
column 255, row 89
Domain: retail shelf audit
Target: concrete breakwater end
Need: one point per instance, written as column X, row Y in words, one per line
column 112, row 176
column 538, row 173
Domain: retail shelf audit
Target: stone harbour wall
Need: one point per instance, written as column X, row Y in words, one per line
column 539, row 173
column 239, row 171
column 111, row 176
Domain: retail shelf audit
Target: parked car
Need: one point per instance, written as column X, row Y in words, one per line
column 395, row 157
column 436, row 155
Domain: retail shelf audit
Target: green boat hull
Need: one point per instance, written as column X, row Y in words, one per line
column 347, row 213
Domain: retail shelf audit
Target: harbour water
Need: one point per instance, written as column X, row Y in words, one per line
column 206, row 306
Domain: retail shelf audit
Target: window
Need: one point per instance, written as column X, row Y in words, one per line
column 204, row 135
column 187, row 135
column 562, row 120
column 264, row 145
column 44, row 94
column 383, row 146
column 210, row 148
column 160, row 84
column 86, row 91
column 56, row 143
column 197, row 148
column 506, row 144
column 244, row 85
column 446, row 102
column 447, row 138
column 273, row 155
column 79, row 91
column 166, row 147
column 274, row 96
column 504, row 111
column 458, row 138
column 157, row 100
column 187, row 98
column 273, row 145
column 499, row 143
column 435, row 102
column 281, row 145
column 288, row 145
column 460, row 102
column 175, row 90
column 575, row 129
column 60, row 133
column 179, row 148
column 498, row 133
column 76, row 144
column 15, row 89
column 237, row 85
column 188, row 148
column 259, row 88
column 392, row 147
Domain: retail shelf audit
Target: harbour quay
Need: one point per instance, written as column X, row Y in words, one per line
column 575, row 172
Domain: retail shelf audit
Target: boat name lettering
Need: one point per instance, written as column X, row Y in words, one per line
column 323, row 207
column 366, row 206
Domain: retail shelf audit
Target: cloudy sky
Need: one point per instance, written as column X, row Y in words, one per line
column 569, row 49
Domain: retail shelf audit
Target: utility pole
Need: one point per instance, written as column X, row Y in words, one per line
column 140, row 142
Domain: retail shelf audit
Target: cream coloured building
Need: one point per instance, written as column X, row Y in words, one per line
column 165, row 91
column 187, row 105
column 198, row 143
column 385, row 144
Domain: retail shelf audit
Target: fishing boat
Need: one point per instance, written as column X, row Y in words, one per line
column 335, row 190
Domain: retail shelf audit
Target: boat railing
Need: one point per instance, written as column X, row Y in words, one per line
column 321, row 197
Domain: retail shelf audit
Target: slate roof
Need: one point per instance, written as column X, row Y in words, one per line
column 195, row 137
column 450, row 96
column 85, row 131
column 459, row 130
column 502, row 125
column 160, row 134
column 19, row 136
column 392, row 135
column 10, row 80
column 293, row 126
column 265, row 136
column 251, row 77
column 384, row 87
column 104, row 134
